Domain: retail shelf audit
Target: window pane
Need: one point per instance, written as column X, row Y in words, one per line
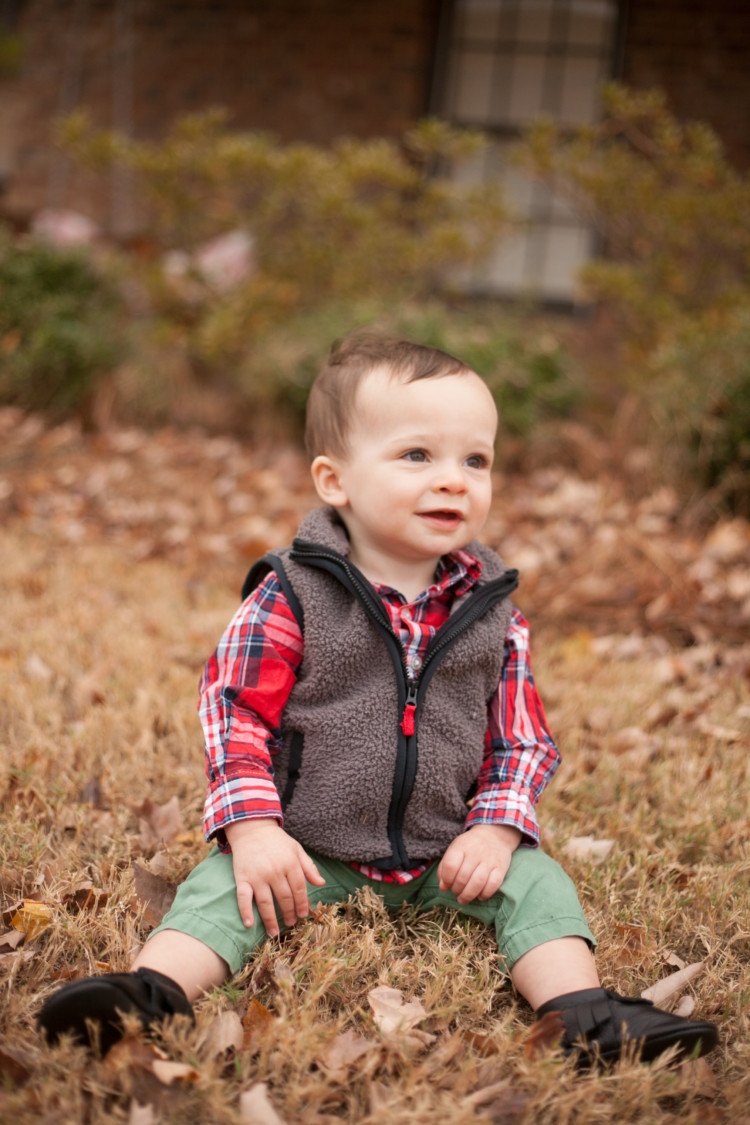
column 567, row 249
column 527, row 88
column 479, row 19
column 471, row 98
column 534, row 21
column 592, row 23
column 579, row 102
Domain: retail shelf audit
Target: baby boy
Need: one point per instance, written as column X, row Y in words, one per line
column 370, row 718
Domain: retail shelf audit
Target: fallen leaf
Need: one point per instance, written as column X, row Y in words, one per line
column 507, row 1109
column 158, row 824
column 484, row 1045
column 32, row 918
column 487, row 1094
column 586, row 847
column 672, row 984
column 390, row 1013
column 14, row 1067
column 546, row 1033
column 256, row 1107
column 152, row 892
column 685, row 1007
column 11, row 940
column 675, row 961
column 256, row 1022
column 225, row 1033
column 88, row 898
column 141, row 1114
column 168, row 1072
column 345, row 1049
column 699, row 1076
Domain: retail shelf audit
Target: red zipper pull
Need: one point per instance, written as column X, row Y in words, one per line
column 410, row 711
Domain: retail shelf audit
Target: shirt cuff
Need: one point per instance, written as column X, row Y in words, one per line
column 504, row 806
column 239, row 798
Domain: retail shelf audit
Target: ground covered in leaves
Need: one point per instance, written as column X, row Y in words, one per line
column 120, row 562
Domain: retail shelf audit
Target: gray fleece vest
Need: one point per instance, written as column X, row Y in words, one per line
column 371, row 767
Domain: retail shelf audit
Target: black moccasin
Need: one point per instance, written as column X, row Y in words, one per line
column 102, row 1000
column 598, row 1023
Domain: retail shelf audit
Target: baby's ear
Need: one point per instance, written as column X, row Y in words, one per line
column 326, row 475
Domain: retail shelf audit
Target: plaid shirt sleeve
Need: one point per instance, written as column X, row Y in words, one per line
column 520, row 754
column 244, row 689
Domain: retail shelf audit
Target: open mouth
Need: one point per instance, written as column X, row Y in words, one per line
column 442, row 517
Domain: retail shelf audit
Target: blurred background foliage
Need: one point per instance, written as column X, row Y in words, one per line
column 373, row 232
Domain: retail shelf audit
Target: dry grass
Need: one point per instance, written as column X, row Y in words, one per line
column 98, row 667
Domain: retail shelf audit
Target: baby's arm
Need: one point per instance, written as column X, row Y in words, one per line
column 269, row 864
column 244, row 690
column 521, row 758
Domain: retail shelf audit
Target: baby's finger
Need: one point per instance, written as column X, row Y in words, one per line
column 285, row 898
column 245, row 904
column 265, row 906
column 493, row 884
column 311, row 872
column 473, row 885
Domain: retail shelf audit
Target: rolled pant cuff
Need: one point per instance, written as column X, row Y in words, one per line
column 215, row 937
column 513, row 946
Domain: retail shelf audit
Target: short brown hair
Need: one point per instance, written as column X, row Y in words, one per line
column 330, row 405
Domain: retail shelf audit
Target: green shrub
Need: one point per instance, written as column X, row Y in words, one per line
column 365, row 220
column 674, row 218
column 58, row 328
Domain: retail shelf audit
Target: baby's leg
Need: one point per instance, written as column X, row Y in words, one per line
column 545, row 943
column 190, row 963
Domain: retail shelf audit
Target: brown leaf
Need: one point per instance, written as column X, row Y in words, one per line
column 154, row 893
column 11, row 940
column 345, row 1049
column 507, row 1109
column 256, row 1023
column 390, row 1013
column 699, row 1076
column 158, row 824
column 141, row 1114
column 670, row 985
column 168, row 1072
column 92, row 793
column 225, row 1033
column 14, row 1067
column 256, row 1107
column 546, row 1033
column 586, row 847
column 87, row 898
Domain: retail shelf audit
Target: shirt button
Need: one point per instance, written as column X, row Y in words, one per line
column 416, row 663
column 406, row 614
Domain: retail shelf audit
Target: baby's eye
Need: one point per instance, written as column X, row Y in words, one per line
column 415, row 455
column 477, row 461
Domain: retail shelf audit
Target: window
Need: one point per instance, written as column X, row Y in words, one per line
column 505, row 62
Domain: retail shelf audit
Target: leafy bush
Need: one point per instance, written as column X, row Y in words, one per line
column 674, row 217
column 58, row 327
column 522, row 360
column 365, row 220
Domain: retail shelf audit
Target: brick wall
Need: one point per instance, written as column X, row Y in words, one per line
column 304, row 69
column 698, row 51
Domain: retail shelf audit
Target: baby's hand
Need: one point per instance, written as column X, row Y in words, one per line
column 268, row 865
column 476, row 862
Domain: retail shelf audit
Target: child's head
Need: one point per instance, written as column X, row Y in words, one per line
column 332, row 405
column 402, row 439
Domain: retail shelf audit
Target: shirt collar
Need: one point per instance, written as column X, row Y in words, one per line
column 456, row 572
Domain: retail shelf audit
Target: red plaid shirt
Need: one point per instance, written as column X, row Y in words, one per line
column 247, row 682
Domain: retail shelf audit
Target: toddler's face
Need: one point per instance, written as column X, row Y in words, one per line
column 416, row 481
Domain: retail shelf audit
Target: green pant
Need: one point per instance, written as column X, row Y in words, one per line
column 536, row 903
